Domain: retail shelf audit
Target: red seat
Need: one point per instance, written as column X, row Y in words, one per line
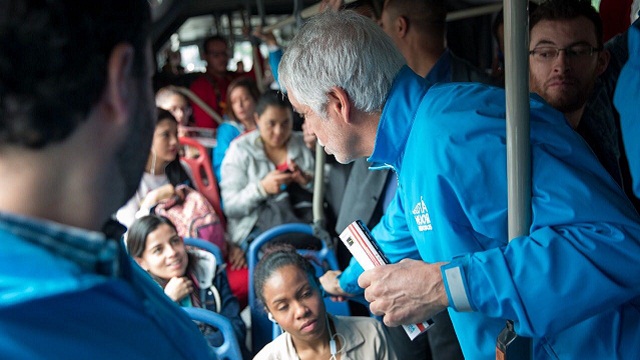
column 205, row 181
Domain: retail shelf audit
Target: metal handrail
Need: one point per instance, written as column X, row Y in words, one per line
column 305, row 13
column 452, row 16
column 204, row 106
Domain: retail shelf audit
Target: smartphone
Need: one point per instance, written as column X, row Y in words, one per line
column 284, row 167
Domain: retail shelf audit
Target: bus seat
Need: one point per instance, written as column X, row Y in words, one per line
column 205, row 245
column 229, row 348
column 205, row 181
column 262, row 330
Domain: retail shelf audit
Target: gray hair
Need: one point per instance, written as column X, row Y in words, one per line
column 340, row 49
column 164, row 93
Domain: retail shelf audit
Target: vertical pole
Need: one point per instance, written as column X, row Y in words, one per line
column 255, row 46
column 297, row 12
column 516, row 41
column 217, row 21
column 261, row 12
column 318, row 186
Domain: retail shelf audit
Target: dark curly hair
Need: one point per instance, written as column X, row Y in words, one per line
column 566, row 10
column 275, row 257
column 272, row 98
column 53, row 62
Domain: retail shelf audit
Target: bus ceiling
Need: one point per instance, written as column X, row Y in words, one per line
column 170, row 15
column 209, row 17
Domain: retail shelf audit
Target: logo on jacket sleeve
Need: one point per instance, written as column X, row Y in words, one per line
column 421, row 214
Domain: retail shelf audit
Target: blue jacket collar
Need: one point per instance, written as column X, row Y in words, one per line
column 397, row 118
column 92, row 251
column 441, row 71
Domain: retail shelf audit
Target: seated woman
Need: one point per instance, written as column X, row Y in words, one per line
column 172, row 100
column 242, row 95
column 159, row 180
column 267, row 174
column 286, row 284
column 162, row 173
column 190, row 277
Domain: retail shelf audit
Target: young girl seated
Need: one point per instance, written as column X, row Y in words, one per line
column 286, row 284
column 190, row 277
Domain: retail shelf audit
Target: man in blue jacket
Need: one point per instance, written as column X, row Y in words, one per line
column 576, row 73
column 447, row 144
column 76, row 119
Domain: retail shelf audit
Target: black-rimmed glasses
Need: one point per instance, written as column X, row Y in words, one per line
column 578, row 51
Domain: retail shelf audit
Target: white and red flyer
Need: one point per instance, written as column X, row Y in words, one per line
column 357, row 238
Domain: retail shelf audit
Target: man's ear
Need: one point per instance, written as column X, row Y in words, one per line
column 339, row 103
column 603, row 61
column 402, row 26
column 117, row 92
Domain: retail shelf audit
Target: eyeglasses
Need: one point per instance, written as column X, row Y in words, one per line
column 217, row 53
column 574, row 52
column 184, row 109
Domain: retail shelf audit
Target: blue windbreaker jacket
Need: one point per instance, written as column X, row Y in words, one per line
column 573, row 283
column 626, row 100
column 67, row 293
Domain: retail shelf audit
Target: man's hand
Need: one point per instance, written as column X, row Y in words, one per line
column 266, row 37
column 331, row 5
column 331, row 284
column 178, row 287
column 405, row 293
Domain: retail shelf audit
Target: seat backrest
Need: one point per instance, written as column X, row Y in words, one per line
column 229, row 348
column 202, row 172
column 205, row 245
column 263, row 330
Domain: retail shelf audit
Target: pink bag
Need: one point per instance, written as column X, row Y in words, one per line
column 193, row 216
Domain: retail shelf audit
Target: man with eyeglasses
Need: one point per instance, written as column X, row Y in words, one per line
column 576, row 73
column 212, row 86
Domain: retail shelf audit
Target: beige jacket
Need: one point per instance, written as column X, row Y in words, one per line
column 365, row 338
